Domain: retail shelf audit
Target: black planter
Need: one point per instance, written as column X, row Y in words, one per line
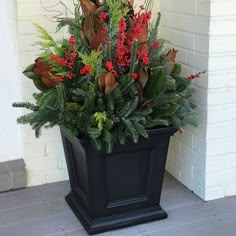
column 111, row 191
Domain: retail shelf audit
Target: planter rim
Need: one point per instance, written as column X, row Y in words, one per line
column 169, row 130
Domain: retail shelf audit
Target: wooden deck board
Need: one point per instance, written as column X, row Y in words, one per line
column 42, row 211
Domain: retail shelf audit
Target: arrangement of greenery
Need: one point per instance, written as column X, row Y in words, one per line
column 112, row 80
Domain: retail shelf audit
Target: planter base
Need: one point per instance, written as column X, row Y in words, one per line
column 113, row 222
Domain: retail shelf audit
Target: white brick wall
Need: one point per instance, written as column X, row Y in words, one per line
column 186, row 23
column 221, row 132
column 204, row 159
column 9, row 132
column 44, row 157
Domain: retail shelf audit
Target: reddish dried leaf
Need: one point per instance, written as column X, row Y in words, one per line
column 88, row 6
column 47, row 80
column 171, row 56
column 101, row 81
column 142, row 78
column 97, row 40
column 42, row 69
column 143, row 37
column 143, row 46
column 84, row 38
column 140, row 91
column 131, row 2
column 88, row 28
column 40, row 66
column 110, row 83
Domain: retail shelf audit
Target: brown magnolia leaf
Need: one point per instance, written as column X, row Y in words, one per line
column 131, row 2
column 171, row 56
column 88, row 6
column 88, row 27
column 143, row 46
column 142, row 78
column 47, row 80
column 42, row 69
column 97, row 40
column 101, row 81
column 110, row 83
column 140, row 91
column 84, row 38
column 143, row 37
column 130, row 27
column 40, row 66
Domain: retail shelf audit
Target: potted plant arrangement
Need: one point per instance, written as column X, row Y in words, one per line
column 118, row 97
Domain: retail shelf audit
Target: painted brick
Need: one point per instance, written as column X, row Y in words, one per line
column 203, row 8
column 222, row 97
column 202, row 44
column 174, row 21
column 222, row 79
column 220, row 114
column 26, row 8
column 166, row 5
column 219, row 9
column 198, row 25
column 25, row 25
column 221, row 147
column 222, row 44
column 222, row 26
column 223, row 130
column 230, row 190
column 184, row 6
column 182, row 39
column 214, row 193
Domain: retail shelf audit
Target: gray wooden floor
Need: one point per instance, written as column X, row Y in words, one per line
column 41, row 211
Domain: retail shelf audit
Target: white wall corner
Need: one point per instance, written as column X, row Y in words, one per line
column 204, row 33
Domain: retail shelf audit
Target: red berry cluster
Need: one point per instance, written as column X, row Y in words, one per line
column 141, row 7
column 140, row 21
column 105, row 34
column 155, row 44
column 134, row 76
column 102, row 17
column 67, row 61
column 110, row 68
column 192, row 77
column 62, row 77
column 85, row 70
column 151, row 71
column 60, row 61
column 143, row 56
column 123, row 52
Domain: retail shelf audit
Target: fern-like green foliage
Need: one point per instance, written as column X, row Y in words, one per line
column 47, row 44
column 92, row 59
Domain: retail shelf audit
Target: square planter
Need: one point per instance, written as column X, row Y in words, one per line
column 111, row 191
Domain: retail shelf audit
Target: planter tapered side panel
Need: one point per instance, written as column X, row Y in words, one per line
column 111, row 191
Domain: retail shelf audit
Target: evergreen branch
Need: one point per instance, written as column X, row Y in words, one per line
column 26, row 105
